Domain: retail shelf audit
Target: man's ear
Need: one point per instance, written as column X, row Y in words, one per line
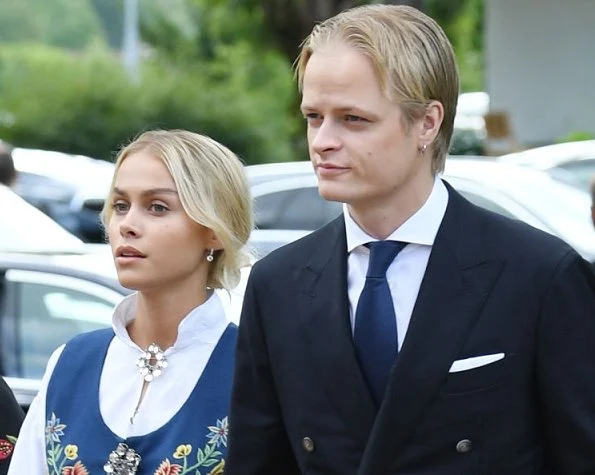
column 430, row 123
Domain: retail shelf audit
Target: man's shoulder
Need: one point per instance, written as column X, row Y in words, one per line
column 297, row 253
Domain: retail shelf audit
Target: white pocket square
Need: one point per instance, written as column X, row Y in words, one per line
column 474, row 362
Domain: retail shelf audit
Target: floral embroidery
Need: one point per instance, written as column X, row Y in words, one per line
column 166, row 468
column 182, row 451
column 7, row 446
column 57, row 456
column 54, row 430
column 77, row 469
column 218, row 434
column 189, row 461
column 218, row 470
column 206, row 457
column 71, row 452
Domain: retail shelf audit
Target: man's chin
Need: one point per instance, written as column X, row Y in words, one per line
column 334, row 192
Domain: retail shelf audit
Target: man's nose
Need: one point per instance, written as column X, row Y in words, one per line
column 324, row 138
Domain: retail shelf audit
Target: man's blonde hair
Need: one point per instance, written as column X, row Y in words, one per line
column 213, row 190
column 411, row 55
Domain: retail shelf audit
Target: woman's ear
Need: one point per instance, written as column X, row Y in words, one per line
column 212, row 241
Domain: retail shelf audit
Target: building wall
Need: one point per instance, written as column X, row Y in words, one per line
column 540, row 66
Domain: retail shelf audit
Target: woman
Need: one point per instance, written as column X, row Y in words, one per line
column 11, row 418
column 151, row 395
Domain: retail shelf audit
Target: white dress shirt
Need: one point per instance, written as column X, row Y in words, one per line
column 121, row 383
column 407, row 270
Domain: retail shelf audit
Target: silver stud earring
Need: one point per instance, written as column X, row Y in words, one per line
column 210, row 257
column 423, row 148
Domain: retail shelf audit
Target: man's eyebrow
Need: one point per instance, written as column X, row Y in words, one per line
column 151, row 191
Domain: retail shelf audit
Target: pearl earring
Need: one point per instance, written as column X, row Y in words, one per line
column 210, row 257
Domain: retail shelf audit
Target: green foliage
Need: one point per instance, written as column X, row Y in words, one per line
column 576, row 136
column 83, row 103
column 462, row 21
column 66, row 23
column 214, row 66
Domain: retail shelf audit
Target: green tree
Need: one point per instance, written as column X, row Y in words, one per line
column 66, row 23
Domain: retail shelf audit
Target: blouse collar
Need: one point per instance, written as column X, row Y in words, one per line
column 204, row 323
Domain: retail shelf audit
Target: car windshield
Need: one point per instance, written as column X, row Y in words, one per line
column 24, row 228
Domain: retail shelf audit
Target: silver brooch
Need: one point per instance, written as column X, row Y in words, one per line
column 152, row 362
column 122, row 461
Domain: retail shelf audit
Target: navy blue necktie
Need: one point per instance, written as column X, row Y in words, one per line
column 375, row 333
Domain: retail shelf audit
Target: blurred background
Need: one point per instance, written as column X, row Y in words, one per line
column 80, row 78
column 84, row 76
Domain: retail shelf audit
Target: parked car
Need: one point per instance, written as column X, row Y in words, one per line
column 25, row 228
column 469, row 134
column 70, row 189
column 47, row 299
column 288, row 206
column 570, row 162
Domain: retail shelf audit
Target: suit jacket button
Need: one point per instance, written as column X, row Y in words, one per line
column 464, row 446
column 308, row 444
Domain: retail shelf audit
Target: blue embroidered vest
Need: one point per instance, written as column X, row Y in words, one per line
column 194, row 441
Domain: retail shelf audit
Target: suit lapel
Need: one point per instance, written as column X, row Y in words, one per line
column 452, row 294
column 326, row 330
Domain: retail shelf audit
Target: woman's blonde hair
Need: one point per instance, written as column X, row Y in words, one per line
column 411, row 55
column 213, row 190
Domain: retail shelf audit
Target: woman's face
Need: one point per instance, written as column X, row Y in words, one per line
column 155, row 244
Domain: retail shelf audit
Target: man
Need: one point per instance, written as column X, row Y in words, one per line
column 593, row 200
column 8, row 173
column 470, row 352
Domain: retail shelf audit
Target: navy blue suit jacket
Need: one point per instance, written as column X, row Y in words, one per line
column 492, row 285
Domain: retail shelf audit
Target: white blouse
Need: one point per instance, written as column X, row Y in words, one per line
column 121, row 383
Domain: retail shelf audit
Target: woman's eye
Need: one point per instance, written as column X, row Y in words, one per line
column 158, row 208
column 119, row 207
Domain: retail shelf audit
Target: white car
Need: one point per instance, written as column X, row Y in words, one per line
column 571, row 162
column 70, row 189
column 287, row 205
column 47, row 299
column 24, row 228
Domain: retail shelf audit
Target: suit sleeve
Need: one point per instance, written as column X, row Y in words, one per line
column 566, row 367
column 258, row 441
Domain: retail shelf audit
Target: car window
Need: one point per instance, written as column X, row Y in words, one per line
column 48, row 314
column 298, row 208
column 584, row 169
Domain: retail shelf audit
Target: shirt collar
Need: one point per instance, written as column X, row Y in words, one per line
column 420, row 228
column 203, row 323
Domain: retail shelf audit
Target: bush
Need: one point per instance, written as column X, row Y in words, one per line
column 84, row 103
column 576, row 137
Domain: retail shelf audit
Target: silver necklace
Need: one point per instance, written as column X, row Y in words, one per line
column 152, row 362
